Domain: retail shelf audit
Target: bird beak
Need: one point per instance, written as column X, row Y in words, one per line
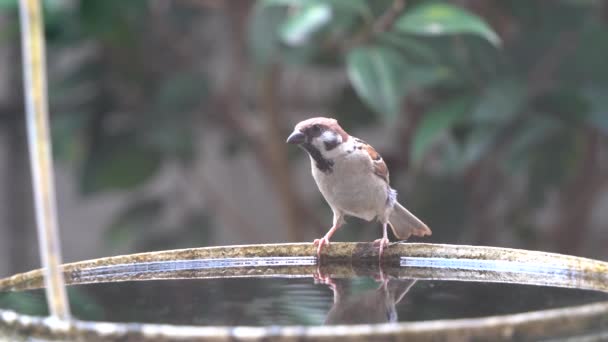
column 296, row 137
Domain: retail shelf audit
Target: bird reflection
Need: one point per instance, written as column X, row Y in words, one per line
column 368, row 306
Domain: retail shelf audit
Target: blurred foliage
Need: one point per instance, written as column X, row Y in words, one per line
column 521, row 86
column 119, row 114
column 490, row 100
column 497, row 107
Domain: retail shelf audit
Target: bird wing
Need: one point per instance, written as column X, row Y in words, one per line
column 379, row 166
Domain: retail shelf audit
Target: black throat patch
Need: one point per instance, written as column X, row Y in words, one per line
column 324, row 165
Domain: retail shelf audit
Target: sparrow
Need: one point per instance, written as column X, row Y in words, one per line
column 369, row 306
column 354, row 180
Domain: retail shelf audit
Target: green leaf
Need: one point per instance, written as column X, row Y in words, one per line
column 436, row 19
column 358, row 6
column 304, row 23
column 121, row 164
column 378, row 74
column 382, row 77
column 436, row 122
column 411, row 47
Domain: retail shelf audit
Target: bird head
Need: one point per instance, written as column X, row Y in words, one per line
column 324, row 134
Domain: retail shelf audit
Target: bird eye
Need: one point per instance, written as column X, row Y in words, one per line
column 316, row 128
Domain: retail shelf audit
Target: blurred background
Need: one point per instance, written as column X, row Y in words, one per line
column 169, row 119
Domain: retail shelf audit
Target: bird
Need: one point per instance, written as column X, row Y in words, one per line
column 369, row 306
column 354, row 180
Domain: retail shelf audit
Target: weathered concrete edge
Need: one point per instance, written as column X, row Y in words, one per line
column 336, row 252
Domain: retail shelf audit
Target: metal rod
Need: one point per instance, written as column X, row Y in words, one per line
column 41, row 163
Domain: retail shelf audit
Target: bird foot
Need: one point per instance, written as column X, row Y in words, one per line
column 320, row 243
column 382, row 244
column 381, row 278
column 321, row 278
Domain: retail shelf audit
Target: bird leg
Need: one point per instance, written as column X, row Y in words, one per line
column 338, row 221
column 324, row 240
column 381, row 278
column 321, row 278
column 383, row 242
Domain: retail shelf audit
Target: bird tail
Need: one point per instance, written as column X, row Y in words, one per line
column 405, row 224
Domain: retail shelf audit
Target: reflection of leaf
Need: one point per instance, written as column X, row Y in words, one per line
column 119, row 164
column 133, row 222
column 441, row 19
column 436, row 122
column 84, row 306
column 27, row 302
column 300, row 26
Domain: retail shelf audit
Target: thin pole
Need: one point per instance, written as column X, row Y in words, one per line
column 41, row 162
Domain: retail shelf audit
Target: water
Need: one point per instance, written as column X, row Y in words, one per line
column 299, row 301
column 290, row 299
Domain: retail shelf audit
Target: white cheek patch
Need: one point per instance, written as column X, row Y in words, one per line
column 331, row 137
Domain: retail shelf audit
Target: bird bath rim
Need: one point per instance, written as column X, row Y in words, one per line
column 402, row 260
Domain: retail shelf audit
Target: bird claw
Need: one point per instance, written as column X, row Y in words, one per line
column 381, row 278
column 382, row 244
column 322, row 278
column 320, row 243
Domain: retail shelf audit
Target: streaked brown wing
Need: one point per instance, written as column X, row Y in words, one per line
column 380, row 168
